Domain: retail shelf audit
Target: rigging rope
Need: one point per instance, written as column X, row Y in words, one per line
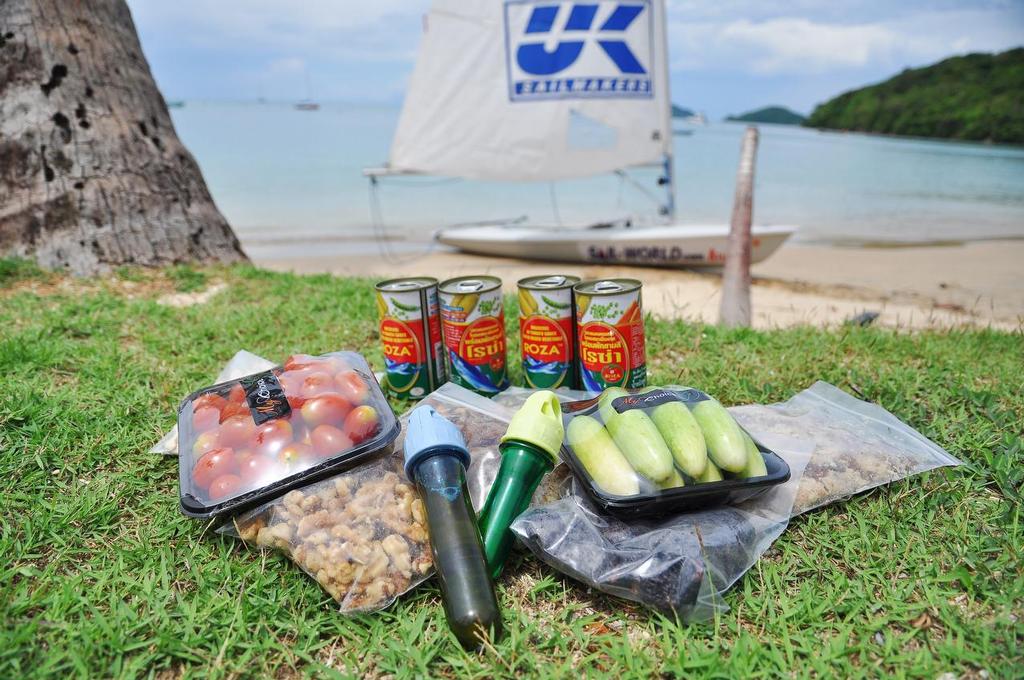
column 554, row 203
column 380, row 231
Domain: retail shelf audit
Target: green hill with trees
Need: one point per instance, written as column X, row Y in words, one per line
column 974, row 97
column 770, row 114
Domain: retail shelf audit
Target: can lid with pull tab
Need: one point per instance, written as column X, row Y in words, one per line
column 429, row 433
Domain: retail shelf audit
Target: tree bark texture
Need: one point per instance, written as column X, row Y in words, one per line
column 92, row 173
column 735, row 309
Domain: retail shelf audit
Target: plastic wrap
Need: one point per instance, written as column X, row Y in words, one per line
column 361, row 534
column 678, row 564
column 244, row 441
column 242, row 364
column 656, row 450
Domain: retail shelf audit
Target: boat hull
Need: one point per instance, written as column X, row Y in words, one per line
column 662, row 246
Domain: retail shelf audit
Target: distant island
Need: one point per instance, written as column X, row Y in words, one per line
column 680, row 112
column 977, row 97
column 770, row 114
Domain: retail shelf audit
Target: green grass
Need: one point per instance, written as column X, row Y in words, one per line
column 101, row 576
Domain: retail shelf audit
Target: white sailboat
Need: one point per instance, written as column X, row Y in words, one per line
column 544, row 90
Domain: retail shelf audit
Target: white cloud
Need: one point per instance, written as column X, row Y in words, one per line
column 801, row 45
column 797, row 44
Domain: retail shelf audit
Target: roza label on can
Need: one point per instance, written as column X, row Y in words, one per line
column 410, row 333
column 546, row 336
column 611, row 341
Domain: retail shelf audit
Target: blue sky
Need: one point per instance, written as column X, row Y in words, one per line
column 727, row 56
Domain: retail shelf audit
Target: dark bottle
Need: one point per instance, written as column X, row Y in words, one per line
column 435, row 460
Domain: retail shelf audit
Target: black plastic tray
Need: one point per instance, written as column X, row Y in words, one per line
column 679, row 499
column 193, row 506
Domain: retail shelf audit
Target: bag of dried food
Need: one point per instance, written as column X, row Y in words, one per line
column 683, row 563
column 362, row 534
column 858, row 445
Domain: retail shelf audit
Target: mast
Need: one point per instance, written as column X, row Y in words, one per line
column 669, row 178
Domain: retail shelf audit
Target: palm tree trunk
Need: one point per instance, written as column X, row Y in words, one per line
column 92, row 173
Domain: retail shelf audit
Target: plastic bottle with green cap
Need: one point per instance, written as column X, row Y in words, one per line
column 529, row 450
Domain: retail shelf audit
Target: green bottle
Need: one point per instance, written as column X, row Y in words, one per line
column 529, row 450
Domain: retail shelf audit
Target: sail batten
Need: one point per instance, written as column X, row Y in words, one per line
column 536, row 90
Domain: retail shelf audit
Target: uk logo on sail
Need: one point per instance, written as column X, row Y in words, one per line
column 579, row 49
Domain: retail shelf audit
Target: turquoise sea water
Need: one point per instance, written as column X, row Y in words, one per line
column 291, row 183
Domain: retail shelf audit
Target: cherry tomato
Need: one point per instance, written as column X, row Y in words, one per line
column 329, row 440
column 236, row 431
column 272, row 436
column 351, row 386
column 295, row 455
column 209, row 400
column 326, row 409
column 224, row 486
column 255, row 469
column 236, row 395
column 304, row 435
column 205, row 419
column 297, row 361
column 204, row 442
column 295, row 401
column 361, row 423
column 213, row 464
column 334, row 365
column 291, row 381
column 234, row 408
column 317, row 383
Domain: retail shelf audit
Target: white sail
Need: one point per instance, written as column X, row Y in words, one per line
column 536, row 90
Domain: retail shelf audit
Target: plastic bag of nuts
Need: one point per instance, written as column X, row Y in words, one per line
column 362, row 534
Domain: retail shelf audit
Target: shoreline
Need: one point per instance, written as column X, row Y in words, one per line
column 978, row 283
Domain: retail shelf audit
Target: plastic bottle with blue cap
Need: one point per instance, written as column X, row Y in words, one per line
column 435, row 460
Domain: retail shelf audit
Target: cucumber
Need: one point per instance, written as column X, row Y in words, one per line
column 674, row 480
column 723, row 436
column 639, row 440
column 597, row 452
column 755, row 461
column 604, row 402
column 711, row 474
column 682, row 435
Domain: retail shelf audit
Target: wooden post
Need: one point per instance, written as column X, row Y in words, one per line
column 735, row 309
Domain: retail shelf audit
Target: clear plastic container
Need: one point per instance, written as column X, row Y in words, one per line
column 654, row 451
column 244, row 441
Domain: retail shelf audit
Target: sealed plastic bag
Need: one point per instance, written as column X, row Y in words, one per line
column 858, row 445
column 362, row 534
column 681, row 563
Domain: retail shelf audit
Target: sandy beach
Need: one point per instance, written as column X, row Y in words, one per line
column 973, row 284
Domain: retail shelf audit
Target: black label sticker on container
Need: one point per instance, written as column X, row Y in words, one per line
column 655, row 398
column 265, row 397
